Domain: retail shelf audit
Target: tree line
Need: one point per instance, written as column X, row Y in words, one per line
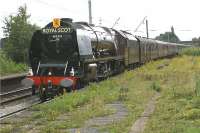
column 169, row 37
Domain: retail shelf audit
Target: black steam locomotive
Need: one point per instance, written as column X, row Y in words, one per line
column 65, row 55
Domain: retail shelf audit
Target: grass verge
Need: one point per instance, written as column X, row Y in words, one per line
column 178, row 108
column 73, row 109
column 193, row 51
column 81, row 106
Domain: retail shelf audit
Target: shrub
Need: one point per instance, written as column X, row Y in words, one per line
column 191, row 51
column 8, row 66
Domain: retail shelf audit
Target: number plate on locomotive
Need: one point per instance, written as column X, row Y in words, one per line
column 56, row 30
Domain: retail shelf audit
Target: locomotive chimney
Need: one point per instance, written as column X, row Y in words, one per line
column 67, row 20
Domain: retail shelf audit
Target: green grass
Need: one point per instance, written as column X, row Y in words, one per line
column 6, row 129
column 7, row 66
column 155, row 86
column 95, row 96
column 82, row 105
column 178, row 108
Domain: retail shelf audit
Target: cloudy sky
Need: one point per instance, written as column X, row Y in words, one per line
column 161, row 14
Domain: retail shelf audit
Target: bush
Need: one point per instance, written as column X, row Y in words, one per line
column 8, row 66
column 194, row 51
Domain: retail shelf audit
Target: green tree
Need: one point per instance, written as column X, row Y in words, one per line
column 18, row 32
column 168, row 36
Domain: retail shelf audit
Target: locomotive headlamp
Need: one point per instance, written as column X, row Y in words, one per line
column 49, row 73
column 72, row 72
column 66, row 83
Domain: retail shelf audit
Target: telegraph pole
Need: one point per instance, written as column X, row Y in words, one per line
column 90, row 11
column 147, row 30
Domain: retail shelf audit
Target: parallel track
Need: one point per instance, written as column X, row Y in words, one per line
column 15, row 95
column 17, row 111
column 38, row 101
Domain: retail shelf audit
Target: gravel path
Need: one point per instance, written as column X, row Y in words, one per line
column 139, row 125
column 91, row 125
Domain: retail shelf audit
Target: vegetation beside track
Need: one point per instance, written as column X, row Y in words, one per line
column 194, row 51
column 10, row 67
column 177, row 109
column 77, row 107
column 85, row 104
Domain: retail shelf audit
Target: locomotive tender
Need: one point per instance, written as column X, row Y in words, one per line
column 66, row 54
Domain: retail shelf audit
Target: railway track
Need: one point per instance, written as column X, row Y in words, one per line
column 20, row 107
column 14, row 101
column 13, row 110
column 11, row 88
column 15, row 95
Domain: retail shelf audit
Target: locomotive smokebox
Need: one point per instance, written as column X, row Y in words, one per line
column 69, row 20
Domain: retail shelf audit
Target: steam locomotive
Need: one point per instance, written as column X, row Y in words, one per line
column 64, row 55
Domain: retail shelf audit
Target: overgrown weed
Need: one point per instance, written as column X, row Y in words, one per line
column 9, row 67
